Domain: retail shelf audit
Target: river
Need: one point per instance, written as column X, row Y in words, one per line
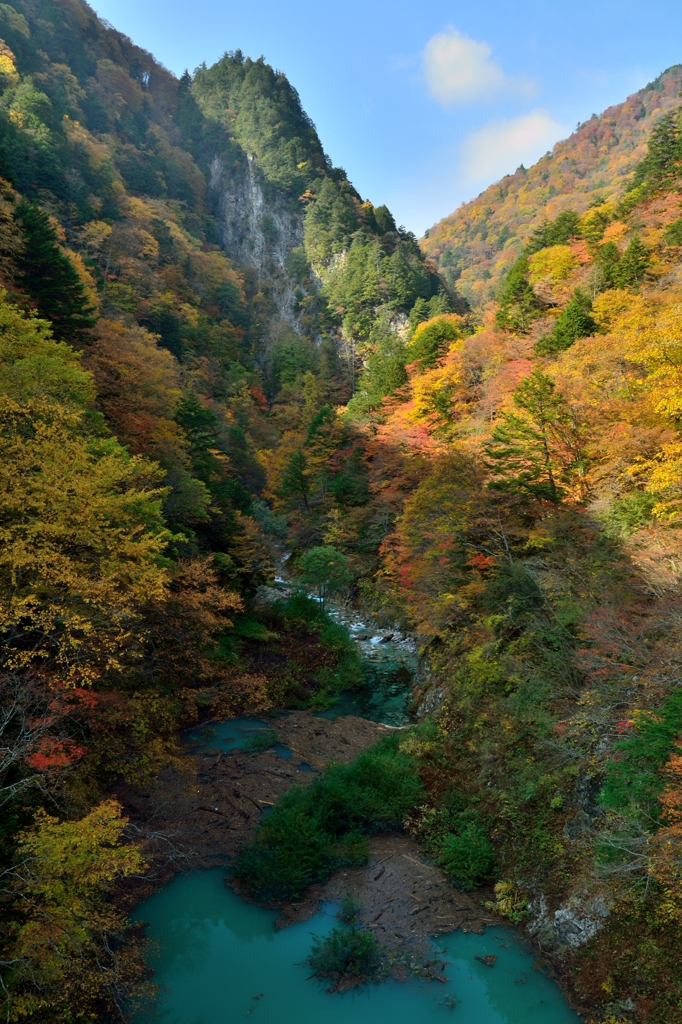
column 220, row 960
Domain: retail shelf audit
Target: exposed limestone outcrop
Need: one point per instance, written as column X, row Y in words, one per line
column 571, row 925
column 259, row 232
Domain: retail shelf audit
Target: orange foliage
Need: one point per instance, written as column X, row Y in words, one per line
column 481, row 240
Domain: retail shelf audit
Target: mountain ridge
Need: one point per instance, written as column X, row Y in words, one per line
column 476, row 244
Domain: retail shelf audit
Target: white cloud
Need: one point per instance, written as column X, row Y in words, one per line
column 459, row 70
column 499, row 147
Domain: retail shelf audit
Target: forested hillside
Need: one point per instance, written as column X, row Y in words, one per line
column 476, row 244
column 215, row 352
column 529, row 473
column 158, row 362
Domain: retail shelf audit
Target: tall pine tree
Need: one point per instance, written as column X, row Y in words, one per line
column 50, row 277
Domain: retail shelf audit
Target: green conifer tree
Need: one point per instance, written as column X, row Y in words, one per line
column 518, row 302
column 576, row 321
column 664, row 156
column 295, row 483
column 608, row 260
column 522, row 450
column 633, row 263
column 50, row 277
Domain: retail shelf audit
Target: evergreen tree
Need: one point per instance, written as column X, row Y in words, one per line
column 432, row 340
column 673, row 233
column 50, row 277
column 608, row 260
column 384, row 219
column 664, row 156
column 576, row 321
column 633, row 263
column 518, row 302
column 295, row 483
column 522, row 451
column 555, row 232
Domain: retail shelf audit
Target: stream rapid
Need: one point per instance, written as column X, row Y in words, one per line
column 220, row 960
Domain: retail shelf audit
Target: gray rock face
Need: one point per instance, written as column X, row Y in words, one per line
column 259, row 233
column 576, row 923
column 588, row 810
column 572, row 925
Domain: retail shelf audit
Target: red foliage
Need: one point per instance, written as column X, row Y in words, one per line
column 259, row 397
column 481, row 561
column 50, row 754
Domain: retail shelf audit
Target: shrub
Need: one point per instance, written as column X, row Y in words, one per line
column 261, row 741
column 467, row 855
column 349, row 910
column 347, row 952
column 312, row 832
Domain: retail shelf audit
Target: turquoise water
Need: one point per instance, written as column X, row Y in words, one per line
column 232, row 735
column 221, row 961
column 386, row 695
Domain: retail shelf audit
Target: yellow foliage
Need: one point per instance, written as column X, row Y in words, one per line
column 593, row 223
column 454, row 318
column 33, row 366
column 556, row 263
column 69, row 861
column 433, row 389
column 665, row 481
column 617, row 309
column 62, row 949
column 80, row 540
column 8, row 73
column 510, row 900
column 91, row 293
column 659, row 346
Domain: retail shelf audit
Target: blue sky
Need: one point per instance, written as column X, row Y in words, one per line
column 425, row 104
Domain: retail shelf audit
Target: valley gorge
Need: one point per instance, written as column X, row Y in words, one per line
column 340, row 570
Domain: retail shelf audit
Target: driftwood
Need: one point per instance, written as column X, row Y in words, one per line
column 214, row 810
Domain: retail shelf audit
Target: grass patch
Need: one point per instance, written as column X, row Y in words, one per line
column 634, row 780
column 312, row 832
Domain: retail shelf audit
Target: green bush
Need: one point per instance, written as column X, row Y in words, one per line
column 349, row 910
column 634, row 780
column 344, row 672
column 467, row 855
column 628, row 513
column 311, row 832
column 290, row 852
column 261, row 741
column 347, row 952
